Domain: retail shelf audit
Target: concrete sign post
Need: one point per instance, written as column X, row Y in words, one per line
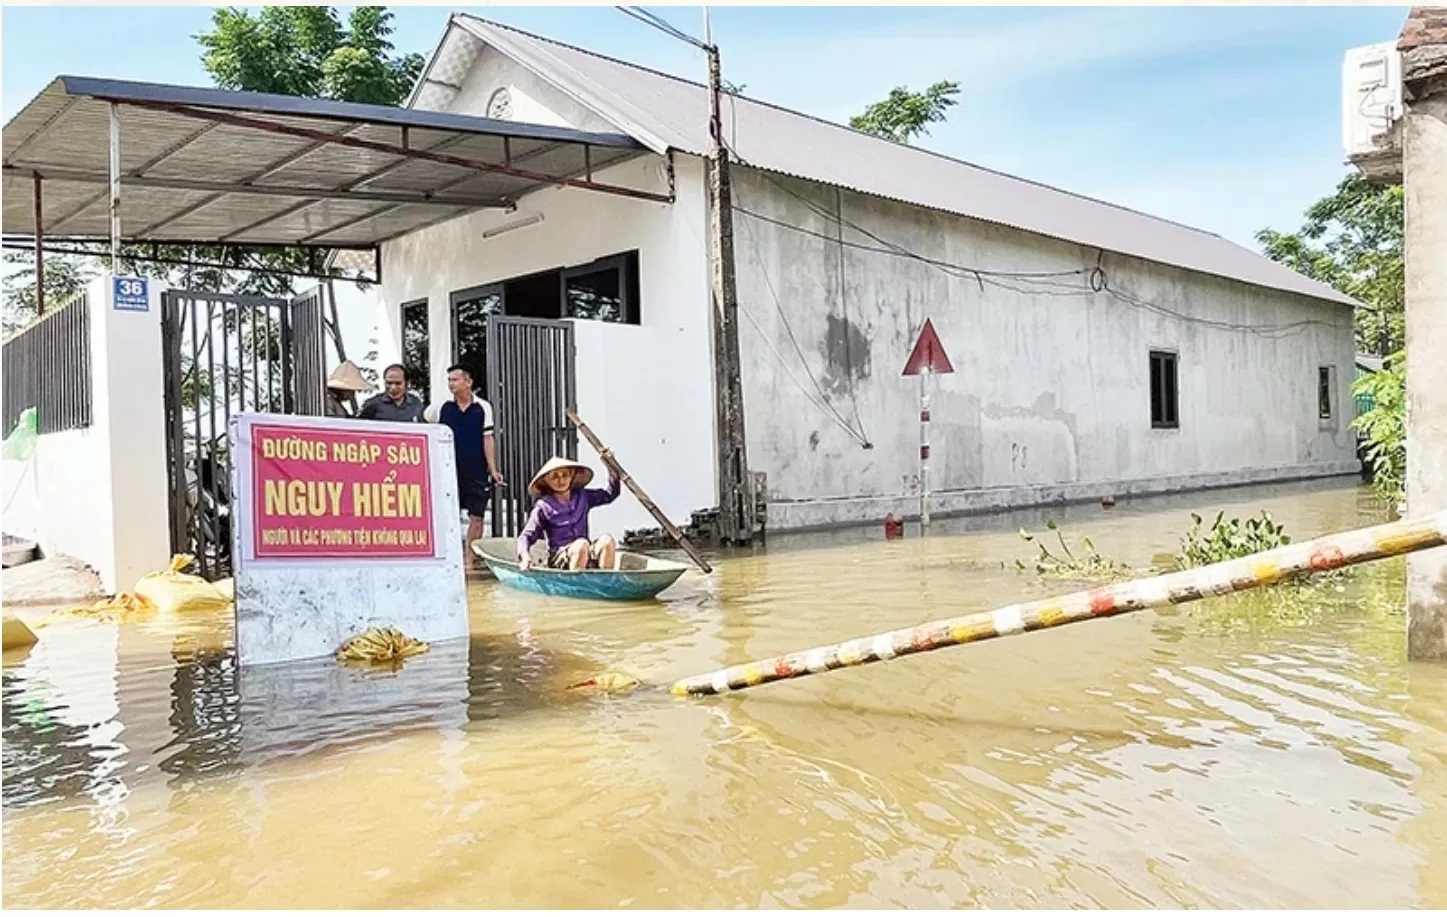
column 927, row 359
column 340, row 525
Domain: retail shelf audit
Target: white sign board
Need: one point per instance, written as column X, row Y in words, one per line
column 340, row 525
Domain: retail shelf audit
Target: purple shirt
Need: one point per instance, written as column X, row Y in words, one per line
column 564, row 522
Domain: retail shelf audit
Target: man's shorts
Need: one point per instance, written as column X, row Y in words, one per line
column 473, row 495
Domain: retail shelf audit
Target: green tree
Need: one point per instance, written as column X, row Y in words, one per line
column 905, row 115
column 307, row 51
column 1352, row 241
column 64, row 278
column 1384, row 425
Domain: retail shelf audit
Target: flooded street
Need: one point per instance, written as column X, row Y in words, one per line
column 1243, row 752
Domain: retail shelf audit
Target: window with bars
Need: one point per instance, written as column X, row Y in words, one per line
column 1325, row 387
column 1165, row 396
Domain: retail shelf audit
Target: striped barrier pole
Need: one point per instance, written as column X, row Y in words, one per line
column 1264, row 569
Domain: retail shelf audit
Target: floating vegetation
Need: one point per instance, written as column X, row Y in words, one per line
column 1087, row 564
column 381, row 646
column 1230, row 539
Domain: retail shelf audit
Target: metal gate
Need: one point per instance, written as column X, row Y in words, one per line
column 531, row 379
column 227, row 353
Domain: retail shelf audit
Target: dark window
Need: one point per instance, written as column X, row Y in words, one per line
column 1323, row 392
column 1165, row 401
column 535, row 296
column 470, row 309
column 606, row 290
column 415, row 341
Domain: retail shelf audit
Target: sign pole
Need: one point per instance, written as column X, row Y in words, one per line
column 924, row 450
column 926, row 359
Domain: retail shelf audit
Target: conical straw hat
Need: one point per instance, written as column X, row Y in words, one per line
column 348, row 378
column 582, row 477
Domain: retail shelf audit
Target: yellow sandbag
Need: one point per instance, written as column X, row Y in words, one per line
column 172, row 591
column 110, row 610
column 16, row 634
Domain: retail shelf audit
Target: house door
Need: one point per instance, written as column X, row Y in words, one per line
column 223, row 354
column 531, row 384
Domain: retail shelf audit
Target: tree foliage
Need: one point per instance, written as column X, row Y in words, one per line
column 905, row 115
column 65, row 277
column 1352, row 241
column 308, row 51
column 1384, row 425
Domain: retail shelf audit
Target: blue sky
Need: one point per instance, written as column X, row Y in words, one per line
column 1222, row 118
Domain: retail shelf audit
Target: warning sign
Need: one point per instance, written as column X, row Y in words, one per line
column 929, row 354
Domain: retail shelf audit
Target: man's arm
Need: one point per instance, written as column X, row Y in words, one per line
column 489, row 443
column 489, row 449
column 368, row 410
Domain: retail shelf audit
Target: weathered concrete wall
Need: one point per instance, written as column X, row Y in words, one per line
column 1424, row 169
column 1050, row 399
column 648, row 394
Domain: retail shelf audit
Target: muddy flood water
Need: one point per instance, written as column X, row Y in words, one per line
column 1242, row 752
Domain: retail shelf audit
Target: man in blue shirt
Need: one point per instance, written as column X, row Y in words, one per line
column 470, row 419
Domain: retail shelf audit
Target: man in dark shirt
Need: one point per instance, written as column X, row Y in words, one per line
column 470, row 419
column 395, row 403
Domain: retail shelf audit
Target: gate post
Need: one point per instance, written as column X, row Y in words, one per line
column 129, row 419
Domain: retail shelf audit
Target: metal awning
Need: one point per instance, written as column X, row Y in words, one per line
column 208, row 166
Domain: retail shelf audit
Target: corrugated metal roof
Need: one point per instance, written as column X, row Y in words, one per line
column 209, row 165
column 667, row 112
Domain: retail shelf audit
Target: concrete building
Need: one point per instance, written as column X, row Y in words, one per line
column 1097, row 350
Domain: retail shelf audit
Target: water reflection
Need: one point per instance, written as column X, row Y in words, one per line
column 1266, row 751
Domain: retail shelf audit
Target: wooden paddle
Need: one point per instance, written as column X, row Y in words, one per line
column 607, row 456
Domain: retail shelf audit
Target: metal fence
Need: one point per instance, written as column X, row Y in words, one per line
column 47, row 367
column 226, row 353
column 531, row 377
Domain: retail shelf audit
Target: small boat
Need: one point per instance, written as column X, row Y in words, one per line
column 637, row 577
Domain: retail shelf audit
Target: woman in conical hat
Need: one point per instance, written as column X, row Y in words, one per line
column 344, row 382
column 561, row 514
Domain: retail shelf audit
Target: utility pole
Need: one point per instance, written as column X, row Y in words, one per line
column 736, row 504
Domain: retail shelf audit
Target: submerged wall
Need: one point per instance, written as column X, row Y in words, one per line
column 1050, row 398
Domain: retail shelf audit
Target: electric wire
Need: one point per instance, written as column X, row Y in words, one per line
column 661, row 24
column 823, row 402
column 1098, row 280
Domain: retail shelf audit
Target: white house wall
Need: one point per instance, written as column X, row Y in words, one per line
column 534, row 100
column 1050, row 399
column 647, row 390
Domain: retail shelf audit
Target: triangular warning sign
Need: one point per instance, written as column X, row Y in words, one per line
column 928, row 354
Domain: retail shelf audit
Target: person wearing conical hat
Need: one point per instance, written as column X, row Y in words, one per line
column 561, row 515
column 342, row 386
